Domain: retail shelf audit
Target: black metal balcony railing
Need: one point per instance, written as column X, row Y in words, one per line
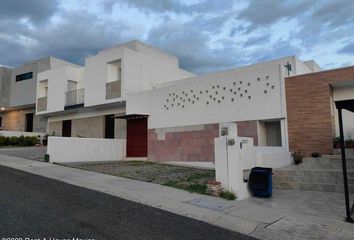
column 74, row 99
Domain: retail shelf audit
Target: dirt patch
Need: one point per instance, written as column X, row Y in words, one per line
column 190, row 179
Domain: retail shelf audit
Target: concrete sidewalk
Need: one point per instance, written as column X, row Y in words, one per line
column 287, row 215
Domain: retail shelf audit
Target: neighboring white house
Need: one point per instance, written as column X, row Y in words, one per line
column 18, row 96
column 83, row 100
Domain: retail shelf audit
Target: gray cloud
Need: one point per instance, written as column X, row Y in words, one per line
column 335, row 13
column 68, row 41
column 278, row 50
column 35, row 10
column 207, row 36
column 190, row 45
column 328, row 22
column 163, row 6
column 348, row 49
column 257, row 40
column 264, row 13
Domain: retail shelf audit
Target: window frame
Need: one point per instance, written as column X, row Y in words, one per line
column 24, row 76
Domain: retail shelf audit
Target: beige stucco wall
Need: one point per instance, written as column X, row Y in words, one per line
column 92, row 127
column 55, row 128
column 16, row 121
column 120, row 129
column 13, row 121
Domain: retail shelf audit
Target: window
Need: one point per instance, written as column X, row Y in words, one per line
column 72, row 86
column 24, row 76
column 273, row 133
column 269, row 133
column 0, row 122
column 114, row 79
column 114, row 71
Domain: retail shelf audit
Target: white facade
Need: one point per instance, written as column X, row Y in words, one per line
column 255, row 92
column 53, row 84
column 24, row 92
column 136, row 66
column 18, row 87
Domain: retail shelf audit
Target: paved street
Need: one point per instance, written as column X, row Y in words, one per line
column 32, row 153
column 37, row 207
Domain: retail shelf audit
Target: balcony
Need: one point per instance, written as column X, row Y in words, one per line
column 113, row 90
column 74, row 99
column 41, row 104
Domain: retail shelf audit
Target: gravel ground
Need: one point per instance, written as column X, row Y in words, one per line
column 188, row 178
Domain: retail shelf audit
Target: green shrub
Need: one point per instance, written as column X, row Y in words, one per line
column 228, row 195
column 7, row 141
column 31, row 141
column 14, row 141
column 2, row 140
column 21, row 141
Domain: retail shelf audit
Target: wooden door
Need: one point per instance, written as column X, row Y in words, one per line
column 137, row 137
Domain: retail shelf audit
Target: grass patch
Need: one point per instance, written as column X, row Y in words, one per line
column 197, row 188
column 193, row 187
column 196, row 176
column 228, row 195
column 186, row 178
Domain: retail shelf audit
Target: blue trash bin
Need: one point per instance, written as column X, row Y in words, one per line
column 260, row 182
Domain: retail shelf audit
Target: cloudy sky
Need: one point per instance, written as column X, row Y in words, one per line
column 207, row 35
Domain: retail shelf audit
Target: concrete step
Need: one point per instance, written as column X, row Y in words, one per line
column 312, row 177
column 324, row 163
column 328, row 159
column 338, row 188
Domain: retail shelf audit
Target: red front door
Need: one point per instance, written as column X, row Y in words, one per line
column 137, row 137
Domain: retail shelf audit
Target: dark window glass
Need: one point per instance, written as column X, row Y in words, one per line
column 0, row 122
column 24, row 76
column 29, row 122
column 109, row 126
column 66, row 128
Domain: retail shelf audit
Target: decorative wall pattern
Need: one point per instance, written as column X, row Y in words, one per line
column 217, row 93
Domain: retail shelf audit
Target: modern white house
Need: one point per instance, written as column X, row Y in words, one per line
column 18, row 97
column 184, row 116
column 138, row 97
column 82, row 101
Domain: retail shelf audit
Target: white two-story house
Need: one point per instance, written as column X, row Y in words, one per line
column 83, row 101
column 18, row 87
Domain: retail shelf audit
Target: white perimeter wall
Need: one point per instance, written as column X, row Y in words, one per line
column 62, row 149
column 254, row 104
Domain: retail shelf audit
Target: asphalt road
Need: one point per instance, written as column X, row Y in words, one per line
column 32, row 206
